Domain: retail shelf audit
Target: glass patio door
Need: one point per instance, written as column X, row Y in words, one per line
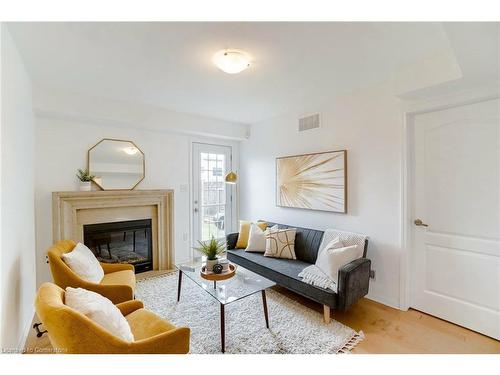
column 212, row 197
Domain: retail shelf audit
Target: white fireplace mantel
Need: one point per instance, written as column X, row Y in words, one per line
column 72, row 210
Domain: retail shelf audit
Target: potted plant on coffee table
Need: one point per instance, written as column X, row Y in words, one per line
column 212, row 249
column 85, row 179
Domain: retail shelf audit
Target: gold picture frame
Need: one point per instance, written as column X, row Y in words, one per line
column 316, row 181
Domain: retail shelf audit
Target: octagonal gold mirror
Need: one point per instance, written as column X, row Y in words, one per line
column 116, row 164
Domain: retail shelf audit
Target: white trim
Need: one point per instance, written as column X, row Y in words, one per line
column 102, row 121
column 452, row 100
column 404, row 272
column 234, row 145
column 62, row 105
column 233, row 165
column 191, row 208
column 383, row 301
column 412, row 110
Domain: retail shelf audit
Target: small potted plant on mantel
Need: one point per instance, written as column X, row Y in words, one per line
column 211, row 249
column 85, row 179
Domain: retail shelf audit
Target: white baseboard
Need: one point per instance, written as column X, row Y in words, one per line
column 383, row 301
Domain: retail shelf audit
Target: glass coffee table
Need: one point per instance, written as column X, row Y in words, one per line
column 243, row 284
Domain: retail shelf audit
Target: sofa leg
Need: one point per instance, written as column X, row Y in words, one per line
column 326, row 314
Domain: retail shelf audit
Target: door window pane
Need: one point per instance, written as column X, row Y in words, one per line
column 213, row 195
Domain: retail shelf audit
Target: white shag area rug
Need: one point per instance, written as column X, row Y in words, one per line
column 293, row 328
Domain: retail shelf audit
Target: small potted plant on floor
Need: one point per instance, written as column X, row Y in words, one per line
column 212, row 249
column 85, row 179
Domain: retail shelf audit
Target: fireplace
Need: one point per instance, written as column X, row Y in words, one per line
column 121, row 242
column 74, row 210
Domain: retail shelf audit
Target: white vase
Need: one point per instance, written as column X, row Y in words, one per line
column 85, row 186
column 210, row 265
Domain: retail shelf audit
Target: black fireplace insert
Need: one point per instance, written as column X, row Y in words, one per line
column 121, row 242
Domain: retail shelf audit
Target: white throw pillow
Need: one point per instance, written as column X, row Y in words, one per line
column 257, row 239
column 280, row 243
column 323, row 255
column 100, row 310
column 334, row 256
column 83, row 262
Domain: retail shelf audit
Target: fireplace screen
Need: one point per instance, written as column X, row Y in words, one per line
column 121, row 242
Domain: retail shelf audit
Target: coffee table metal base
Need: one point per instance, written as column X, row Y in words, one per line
column 223, row 314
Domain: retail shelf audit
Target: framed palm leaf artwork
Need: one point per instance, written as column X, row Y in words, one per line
column 313, row 181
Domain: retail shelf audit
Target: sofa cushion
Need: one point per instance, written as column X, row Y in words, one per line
column 307, row 242
column 284, row 272
column 287, row 267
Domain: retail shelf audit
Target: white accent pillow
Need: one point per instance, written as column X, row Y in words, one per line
column 322, row 259
column 257, row 239
column 100, row 310
column 83, row 262
column 334, row 256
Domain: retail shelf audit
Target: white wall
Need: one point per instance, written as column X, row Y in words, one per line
column 17, row 198
column 368, row 124
column 61, row 148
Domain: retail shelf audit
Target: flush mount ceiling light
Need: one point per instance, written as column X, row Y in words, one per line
column 231, row 61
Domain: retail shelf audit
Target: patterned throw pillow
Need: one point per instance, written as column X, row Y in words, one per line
column 280, row 243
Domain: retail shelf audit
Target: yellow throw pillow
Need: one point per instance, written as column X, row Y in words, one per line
column 244, row 232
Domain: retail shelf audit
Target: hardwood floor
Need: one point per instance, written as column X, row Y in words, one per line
column 386, row 330
column 392, row 331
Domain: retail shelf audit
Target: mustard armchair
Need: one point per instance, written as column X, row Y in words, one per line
column 118, row 283
column 72, row 332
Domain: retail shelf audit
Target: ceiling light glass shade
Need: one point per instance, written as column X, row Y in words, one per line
column 231, row 178
column 231, row 61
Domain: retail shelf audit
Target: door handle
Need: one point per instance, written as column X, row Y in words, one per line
column 420, row 223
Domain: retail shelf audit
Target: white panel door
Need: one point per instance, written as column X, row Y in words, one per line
column 457, row 188
column 212, row 197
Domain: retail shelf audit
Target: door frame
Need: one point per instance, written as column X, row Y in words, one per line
column 234, row 163
column 407, row 173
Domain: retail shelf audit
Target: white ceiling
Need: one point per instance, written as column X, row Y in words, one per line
column 296, row 65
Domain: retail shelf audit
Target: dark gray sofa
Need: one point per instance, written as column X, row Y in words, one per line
column 353, row 277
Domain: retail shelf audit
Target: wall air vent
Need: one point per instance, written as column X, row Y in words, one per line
column 309, row 122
